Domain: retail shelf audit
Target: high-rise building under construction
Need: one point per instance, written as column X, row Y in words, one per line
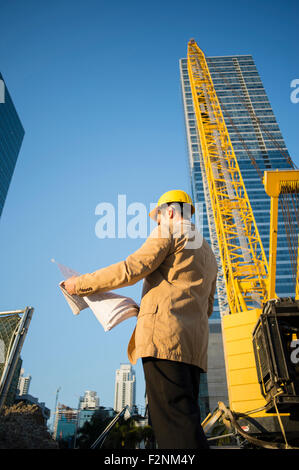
column 258, row 145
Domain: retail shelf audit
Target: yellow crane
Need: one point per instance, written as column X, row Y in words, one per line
column 254, row 389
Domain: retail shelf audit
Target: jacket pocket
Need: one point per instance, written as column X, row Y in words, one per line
column 147, row 306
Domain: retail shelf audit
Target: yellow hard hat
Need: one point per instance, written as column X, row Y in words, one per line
column 175, row 195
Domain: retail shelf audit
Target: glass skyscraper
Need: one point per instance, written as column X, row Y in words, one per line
column 11, row 137
column 255, row 135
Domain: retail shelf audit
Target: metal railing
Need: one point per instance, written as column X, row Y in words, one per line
column 100, row 440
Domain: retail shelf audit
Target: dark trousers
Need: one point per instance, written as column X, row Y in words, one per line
column 172, row 390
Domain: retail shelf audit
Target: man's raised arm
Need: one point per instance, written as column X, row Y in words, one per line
column 134, row 268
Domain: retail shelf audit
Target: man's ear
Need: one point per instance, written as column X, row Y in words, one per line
column 170, row 212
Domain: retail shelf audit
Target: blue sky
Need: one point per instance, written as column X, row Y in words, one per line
column 96, row 85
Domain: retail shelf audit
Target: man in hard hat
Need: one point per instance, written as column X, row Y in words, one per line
column 171, row 333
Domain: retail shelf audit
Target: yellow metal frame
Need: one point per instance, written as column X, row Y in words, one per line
column 244, row 391
column 245, row 267
column 275, row 182
column 243, row 258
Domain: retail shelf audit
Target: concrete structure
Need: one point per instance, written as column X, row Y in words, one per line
column 125, row 387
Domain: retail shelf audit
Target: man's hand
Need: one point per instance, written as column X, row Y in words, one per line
column 70, row 285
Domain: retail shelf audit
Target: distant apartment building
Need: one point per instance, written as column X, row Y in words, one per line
column 23, row 384
column 125, row 387
column 11, row 137
column 90, row 401
column 89, row 404
column 22, row 395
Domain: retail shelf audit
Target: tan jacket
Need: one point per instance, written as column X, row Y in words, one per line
column 177, row 296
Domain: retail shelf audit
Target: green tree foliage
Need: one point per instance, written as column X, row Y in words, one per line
column 124, row 435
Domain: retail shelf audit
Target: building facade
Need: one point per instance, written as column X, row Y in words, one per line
column 11, row 137
column 86, row 416
column 125, row 387
column 90, row 401
column 23, row 384
column 255, row 136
